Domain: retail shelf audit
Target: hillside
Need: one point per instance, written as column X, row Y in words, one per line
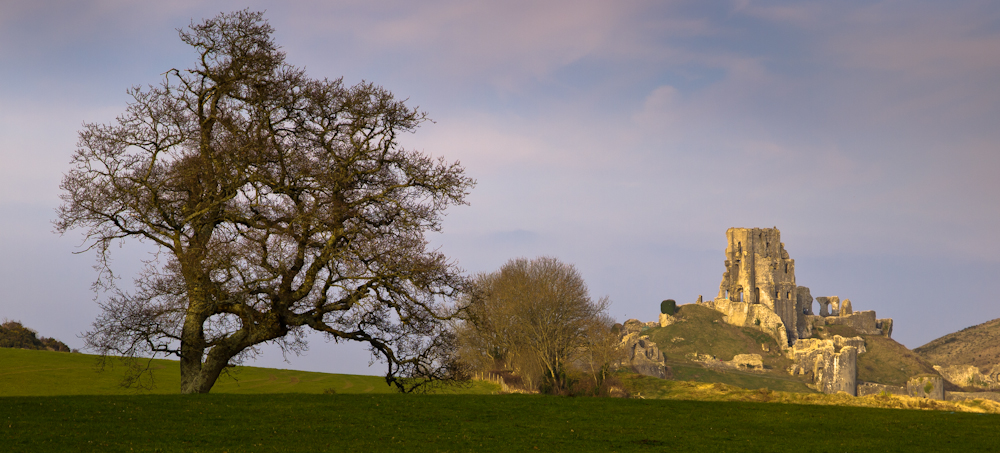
column 978, row 345
column 886, row 362
column 46, row 373
column 701, row 331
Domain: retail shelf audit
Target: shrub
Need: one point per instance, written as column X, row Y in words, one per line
column 668, row 307
column 14, row 335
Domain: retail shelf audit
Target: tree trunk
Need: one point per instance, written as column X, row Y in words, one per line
column 192, row 351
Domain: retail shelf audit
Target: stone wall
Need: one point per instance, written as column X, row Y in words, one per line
column 830, row 364
column 803, row 308
column 862, row 321
column 959, row 396
column 873, row 388
column 926, row 386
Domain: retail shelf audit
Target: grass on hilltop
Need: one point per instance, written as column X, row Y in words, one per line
column 700, row 330
column 45, row 373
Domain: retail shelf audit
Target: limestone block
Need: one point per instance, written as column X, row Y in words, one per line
column 834, row 305
column 845, row 308
column 804, row 300
column 824, row 306
column 646, row 350
column 666, row 320
column 885, row 326
column 642, row 355
column 857, row 342
column 752, row 361
column 633, row 325
column 831, row 371
column 926, row 386
column 862, row 321
column 803, row 308
column 840, row 372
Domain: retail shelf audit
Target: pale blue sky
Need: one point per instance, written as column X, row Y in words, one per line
column 623, row 137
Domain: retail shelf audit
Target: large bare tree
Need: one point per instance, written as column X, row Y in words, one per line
column 279, row 203
column 536, row 318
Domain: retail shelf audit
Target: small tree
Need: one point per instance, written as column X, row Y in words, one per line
column 279, row 203
column 668, row 307
column 537, row 318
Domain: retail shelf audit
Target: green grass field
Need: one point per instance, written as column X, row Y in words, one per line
column 65, row 406
column 417, row 423
column 44, row 373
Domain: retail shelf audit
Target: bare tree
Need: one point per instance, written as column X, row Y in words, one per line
column 279, row 203
column 535, row 315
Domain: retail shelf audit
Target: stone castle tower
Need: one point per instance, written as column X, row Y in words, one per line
column 759, row 271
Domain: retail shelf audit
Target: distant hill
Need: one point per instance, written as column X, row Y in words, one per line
column 978, row 345
column 15, row 335
column 969, row 358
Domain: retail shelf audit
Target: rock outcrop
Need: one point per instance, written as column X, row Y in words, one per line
column 751, row 315
column 747, row 362
column 970, row 376
column 642, row 355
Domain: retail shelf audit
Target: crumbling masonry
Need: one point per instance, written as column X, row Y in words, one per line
column 759, row 290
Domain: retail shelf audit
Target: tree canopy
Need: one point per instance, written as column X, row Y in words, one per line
column 536, row 318
column 279, row 203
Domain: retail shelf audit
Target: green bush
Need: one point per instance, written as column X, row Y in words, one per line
column 14, row 335
column 668, row 307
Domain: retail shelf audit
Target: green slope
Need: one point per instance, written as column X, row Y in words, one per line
column 701, row 330
column 46, row 373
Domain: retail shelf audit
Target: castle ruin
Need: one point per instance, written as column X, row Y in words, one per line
column 759, row 290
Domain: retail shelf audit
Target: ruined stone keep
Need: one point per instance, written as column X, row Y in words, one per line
column 759, row 290
column 759, row 271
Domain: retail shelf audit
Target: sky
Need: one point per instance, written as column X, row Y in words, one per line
column 621, row 137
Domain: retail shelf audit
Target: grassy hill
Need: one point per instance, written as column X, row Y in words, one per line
column 42, row 373
column 978, row 345
column 700, row 330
